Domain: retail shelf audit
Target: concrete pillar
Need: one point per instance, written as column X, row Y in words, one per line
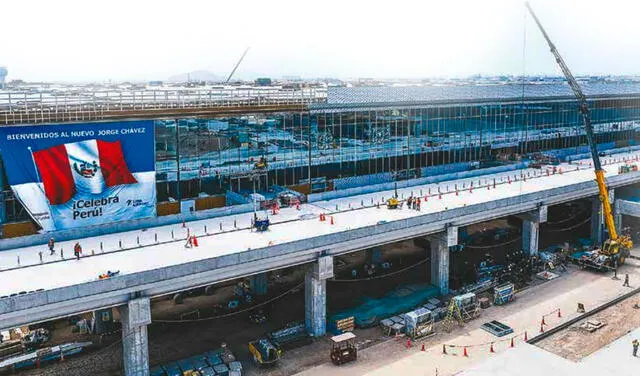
column 617, row 216
column 374, row 255
column 598, row 226
column 135, row 316
column 315, row 295
column 530, row 237
column 626, row 207
column 440, row 247
column 531, row 229
column 259, row 283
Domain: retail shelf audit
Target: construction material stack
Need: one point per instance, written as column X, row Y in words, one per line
column 462, row 308
column 419, row 323
column 503, row 294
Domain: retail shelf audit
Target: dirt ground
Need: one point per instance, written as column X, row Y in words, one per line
column 574, row 343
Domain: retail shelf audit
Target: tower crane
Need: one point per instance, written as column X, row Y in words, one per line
column 616, row 248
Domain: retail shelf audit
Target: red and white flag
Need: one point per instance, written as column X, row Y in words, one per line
column 86, row 167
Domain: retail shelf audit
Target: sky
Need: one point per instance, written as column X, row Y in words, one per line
column 141, row 40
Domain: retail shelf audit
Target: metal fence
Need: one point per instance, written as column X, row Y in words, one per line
column 34, row 107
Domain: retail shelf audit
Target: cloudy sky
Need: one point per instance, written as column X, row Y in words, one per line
column 79, row 40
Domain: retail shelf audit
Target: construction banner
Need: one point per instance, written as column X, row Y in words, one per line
column 77, row 175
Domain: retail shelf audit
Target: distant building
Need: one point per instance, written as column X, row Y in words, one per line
column 263, row 81
column 3, row 75
column 155, row 83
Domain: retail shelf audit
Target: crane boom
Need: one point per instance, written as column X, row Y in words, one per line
column 237, row 65
column 586, row 116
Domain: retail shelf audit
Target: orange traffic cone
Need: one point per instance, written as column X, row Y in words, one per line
column 195, row 240
column 332, row 220
column 526, row 337
column 512, row 343
column 559, row 314
column 422, row 349
column 465, row 353
column 491, row 350
column 444, row 349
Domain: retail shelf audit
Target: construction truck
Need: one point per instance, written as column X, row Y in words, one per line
column 616, row 248
column 393, row 202
column 265, row 352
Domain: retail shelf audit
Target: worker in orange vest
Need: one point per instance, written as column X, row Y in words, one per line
column 77, row 250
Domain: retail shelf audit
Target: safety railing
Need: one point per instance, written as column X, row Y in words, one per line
column 34, row 107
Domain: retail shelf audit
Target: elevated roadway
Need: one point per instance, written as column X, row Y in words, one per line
column 57, row 287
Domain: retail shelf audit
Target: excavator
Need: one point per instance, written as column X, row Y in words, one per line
column 616, row 249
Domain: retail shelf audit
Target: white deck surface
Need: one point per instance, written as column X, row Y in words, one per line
column 528, row 360
column 302, row 224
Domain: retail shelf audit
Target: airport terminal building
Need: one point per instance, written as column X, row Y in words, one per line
column 356, row 137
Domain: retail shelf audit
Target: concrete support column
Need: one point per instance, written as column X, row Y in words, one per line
column 440, row 247
column 531, row 229
column 530, row 237
column 135, row 316
column 597, row 218
column 625, row 207
column 259, row 283
column 374, row 255
column 315, row 295
column 617, row 216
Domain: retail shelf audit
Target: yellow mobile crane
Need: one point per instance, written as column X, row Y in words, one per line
column 614, row 250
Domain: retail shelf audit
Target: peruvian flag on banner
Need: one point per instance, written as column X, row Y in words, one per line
column 85, row 167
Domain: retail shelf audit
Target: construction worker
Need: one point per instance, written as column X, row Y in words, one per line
column 51, row 244
column 635, row 344
column 77, row 250
column 189, row 243
column 626, row 281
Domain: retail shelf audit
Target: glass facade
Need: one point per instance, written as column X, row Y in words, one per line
column 335, row 147
column 368, row 145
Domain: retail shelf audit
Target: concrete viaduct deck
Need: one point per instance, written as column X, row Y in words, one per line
column 71, row 286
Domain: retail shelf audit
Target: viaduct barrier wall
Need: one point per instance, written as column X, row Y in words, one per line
column 138, row 224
